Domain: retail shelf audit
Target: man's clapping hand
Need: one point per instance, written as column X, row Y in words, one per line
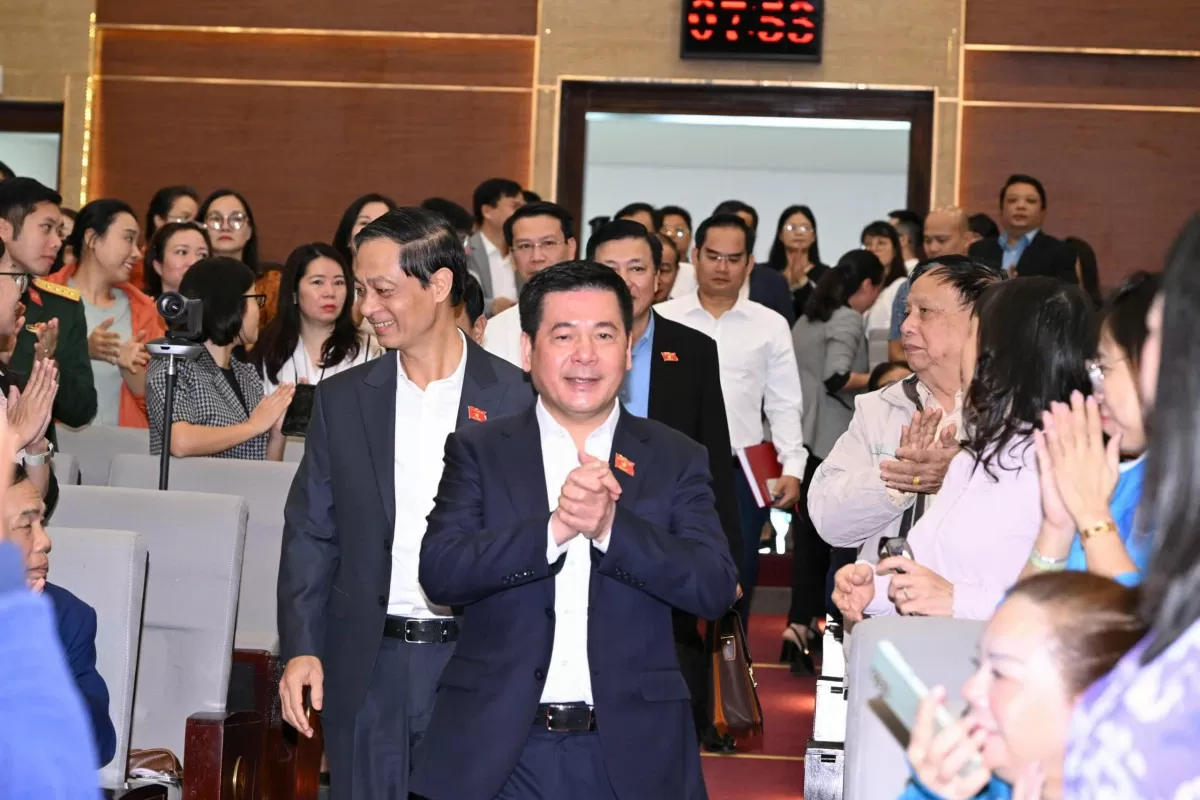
column 587, row 502
column 923, row 455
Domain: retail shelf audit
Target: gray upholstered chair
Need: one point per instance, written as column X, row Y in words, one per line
column 107, row 570
column 293, row 451
column 940, row 651
column 95, row 446
column 195, row 546
column 66, row 468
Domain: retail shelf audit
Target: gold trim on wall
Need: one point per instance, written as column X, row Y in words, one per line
column 533, row 106
column 1081, row 106
column 890, row 87
column 1087, row 51
column 89, row 109
column 425, row 87
column 272, row 31
column 958, row 128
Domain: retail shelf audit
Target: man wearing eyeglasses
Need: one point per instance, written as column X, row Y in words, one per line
column 55, row 327
column 758, row 372
column 538, row 235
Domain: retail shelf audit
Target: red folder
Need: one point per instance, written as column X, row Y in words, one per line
column 760, row 464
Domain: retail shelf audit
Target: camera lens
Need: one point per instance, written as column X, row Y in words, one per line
column 171, row 305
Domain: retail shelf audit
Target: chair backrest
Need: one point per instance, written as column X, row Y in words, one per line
column 940, row 651
column 195, row 546
column 95, row 446
column 265, row 486
column 66, row 468
column 293, row 451
column 107, row 570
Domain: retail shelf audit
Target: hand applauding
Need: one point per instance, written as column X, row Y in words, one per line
column 587, row 502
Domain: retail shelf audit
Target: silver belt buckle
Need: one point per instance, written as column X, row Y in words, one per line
column 407, row 623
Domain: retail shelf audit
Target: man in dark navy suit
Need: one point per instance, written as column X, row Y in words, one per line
column 1023, row 248
column 354, row 625
column 25, row 513
column 568, row 533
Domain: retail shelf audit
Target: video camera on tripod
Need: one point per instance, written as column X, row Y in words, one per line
column 185, row 333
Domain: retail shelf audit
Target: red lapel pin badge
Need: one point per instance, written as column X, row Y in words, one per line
column 476, row 414
column 669, row 356
column 624, row 464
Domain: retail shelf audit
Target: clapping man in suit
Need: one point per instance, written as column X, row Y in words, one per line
column 1022, row 248
column 676, row 380
column 354, row 625
column 567, row 534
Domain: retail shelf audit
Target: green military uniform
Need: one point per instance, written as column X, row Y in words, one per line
column 75, row 404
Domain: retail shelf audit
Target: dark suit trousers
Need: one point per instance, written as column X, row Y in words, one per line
column 555, row 766
column 810, row 558
column 371, row 758
column 694, row 664
column 752, row 520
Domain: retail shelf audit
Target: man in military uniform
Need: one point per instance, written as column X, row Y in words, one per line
column 55, row 326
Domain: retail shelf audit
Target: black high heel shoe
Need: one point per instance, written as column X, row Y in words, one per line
column 797, row 652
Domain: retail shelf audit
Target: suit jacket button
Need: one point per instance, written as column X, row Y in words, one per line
column 382, row 601
column 387, row 545
column 539, row 675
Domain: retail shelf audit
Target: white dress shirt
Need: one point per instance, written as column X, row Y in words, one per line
column 685, row 280
column 423, row 421
column 569, row 678
column 758, row 372
column 502, row 337
column 504, row 280
column 301, row 366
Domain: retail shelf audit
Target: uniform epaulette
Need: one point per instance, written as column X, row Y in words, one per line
column 57, row 288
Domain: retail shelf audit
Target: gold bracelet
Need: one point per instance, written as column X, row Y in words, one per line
column 1107, row 526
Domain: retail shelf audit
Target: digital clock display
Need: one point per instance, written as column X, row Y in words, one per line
column 784, row 29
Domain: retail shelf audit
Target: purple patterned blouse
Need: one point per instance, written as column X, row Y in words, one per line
column 1136, row 731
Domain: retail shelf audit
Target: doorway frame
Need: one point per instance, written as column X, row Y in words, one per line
column 35, row 116
column 579, row 96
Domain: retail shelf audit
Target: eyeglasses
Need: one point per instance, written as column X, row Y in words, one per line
column 188, row 219
column 526, row 248
column 797, row 228
column 261, row 299
column 732, row 259
column 676, row 233
column 21, row 279
column 234, row 222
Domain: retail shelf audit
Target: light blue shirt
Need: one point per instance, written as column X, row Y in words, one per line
column 635, row 389
column 1011, row 252
column 1126, row 498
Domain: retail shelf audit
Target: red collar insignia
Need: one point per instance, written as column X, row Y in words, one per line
column 624, row 464
column 35, row 296
column 669, row 356
column 476, row 414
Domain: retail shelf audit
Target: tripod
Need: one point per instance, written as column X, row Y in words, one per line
column 173, row 349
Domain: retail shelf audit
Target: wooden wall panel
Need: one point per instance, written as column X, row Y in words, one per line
column 508, row 17
column 1122, row 180
column 1078, row 78
column 301, row 155
column 1137, row 24
column 355, row 59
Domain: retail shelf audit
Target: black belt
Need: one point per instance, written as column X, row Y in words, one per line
column 421, row 631
column 562, row 718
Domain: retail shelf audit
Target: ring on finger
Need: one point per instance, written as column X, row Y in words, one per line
column 916, row 480
column 906, row 593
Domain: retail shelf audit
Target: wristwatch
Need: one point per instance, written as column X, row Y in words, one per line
column 38, row 459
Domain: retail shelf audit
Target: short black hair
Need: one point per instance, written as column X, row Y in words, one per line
column 723, row 220
column 910, row 224
column 1029, row 179
column 220, row 284
column 571, row 276
column 6, row 173
column 531, row 196
column 491, row 192
column 473, row 298
column 452, row 212
column 565, row 220
column 427, row 243
column 970, row 277
column 983, row 226
column 20, row 196
column 875, row 381
column 341, row 236
column 160, row 206
column 676, row 211
column 733, row 207
column 620, row 229
column 97, row 216
column 156, row 250
column 640, row 208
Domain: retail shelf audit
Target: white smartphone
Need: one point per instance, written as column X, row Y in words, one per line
column 903, row 691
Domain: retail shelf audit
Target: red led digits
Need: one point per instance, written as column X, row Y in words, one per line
column 752, row 28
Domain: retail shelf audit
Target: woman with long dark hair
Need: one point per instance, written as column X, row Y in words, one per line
column 1028, row 346
column 169, row 204
column 831, row 353
column 359, row 214
column 120, row 317
column 796, row 255
column 172, row 251
column 312, row 335
column 884, row 241
column 1134, row 733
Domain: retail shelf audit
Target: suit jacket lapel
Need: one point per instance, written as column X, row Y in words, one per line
column 631, row 459
column 482, row 392
column 660, row 382
column 377, row 399
column 526, row 472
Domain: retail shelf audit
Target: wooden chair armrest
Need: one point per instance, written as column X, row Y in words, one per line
column 221, row 753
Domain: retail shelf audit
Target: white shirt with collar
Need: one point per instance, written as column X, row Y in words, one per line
column 504, row 280
column 758, row 372
column 685, row 280
column 301, row 366
column 569, row 678
column 502, row 337
column 423, row 421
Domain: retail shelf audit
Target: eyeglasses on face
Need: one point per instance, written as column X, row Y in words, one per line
column 261, row 299
column 234, row 222
column 525, row 248
column 732, row 259
column 797, row 228
column 674, row 233
column 21, row 279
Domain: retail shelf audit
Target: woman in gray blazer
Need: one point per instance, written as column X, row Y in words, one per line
column 831, row 352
